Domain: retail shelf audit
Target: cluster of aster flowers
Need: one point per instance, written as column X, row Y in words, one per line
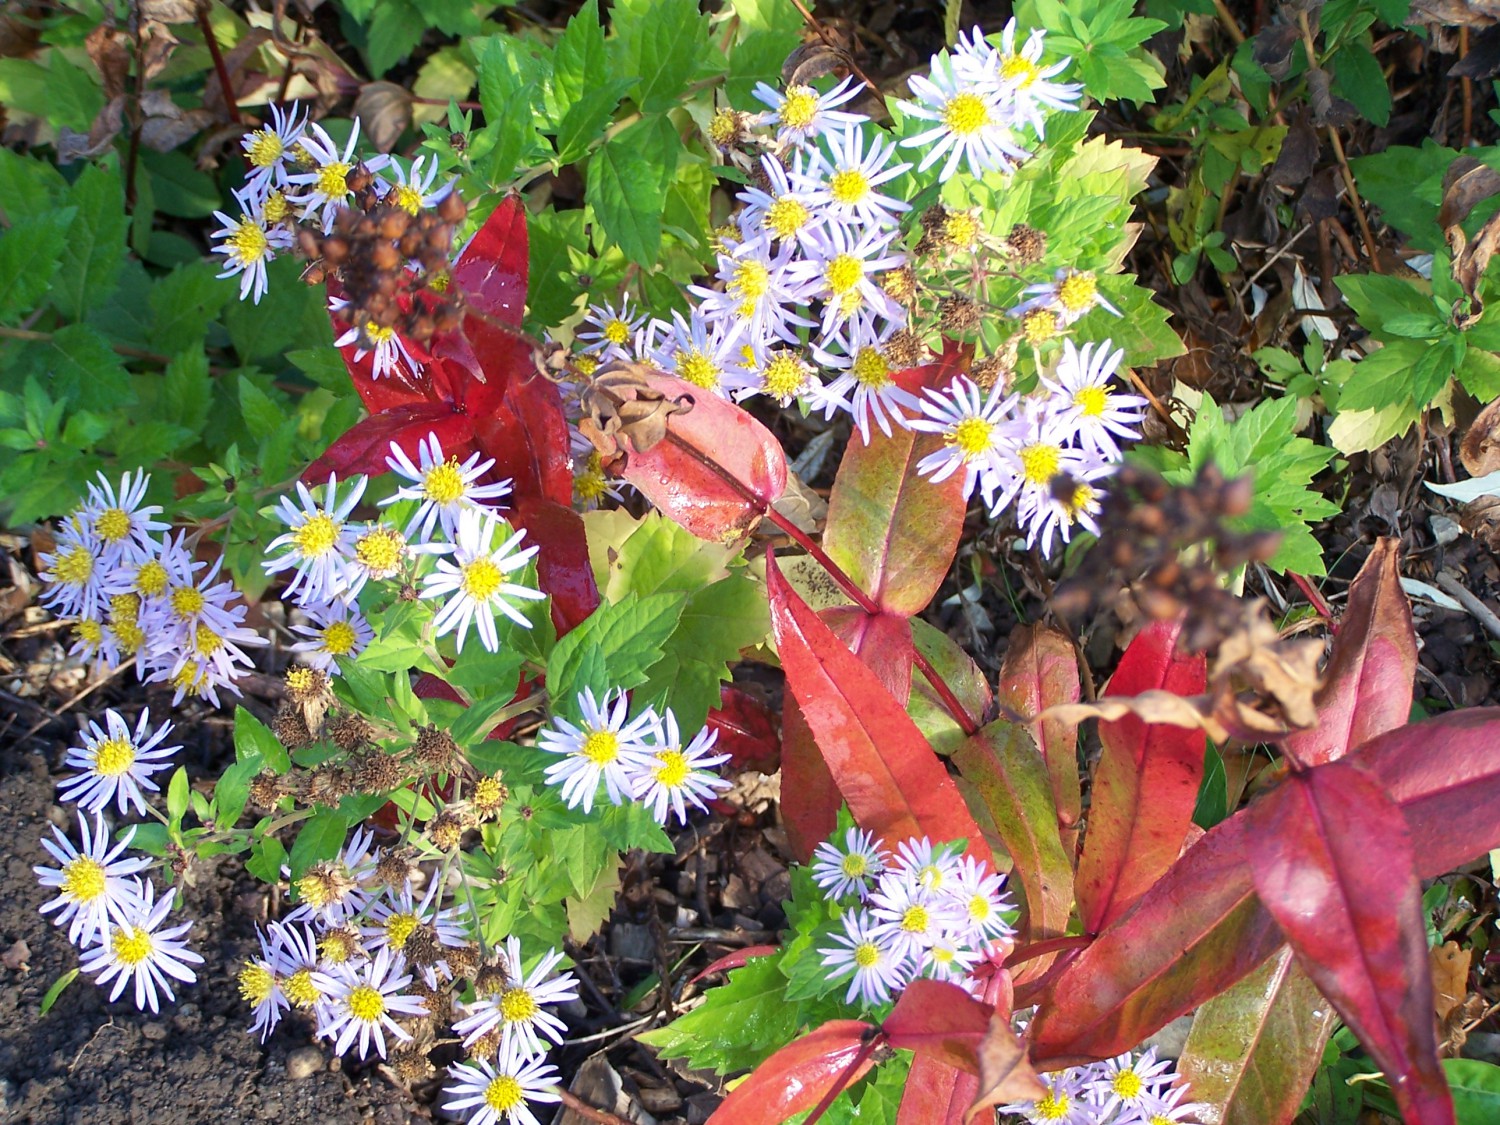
column 373, row 960
column 923, row 911
column 112, row 913
column 641, row 758
column 135, row 595
column 1129, row 1089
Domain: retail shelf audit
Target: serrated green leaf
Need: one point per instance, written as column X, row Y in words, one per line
column 662, row 43
column 320, row 839
column 267, row 858
column 29, row 188
column 30, row 252
column 1384, row 377
column 262, row 414
column 95, row 246
column 587, row 912
column 579, row 62
column 395, row 28
column 627, row 183
column 290, row 313
column 614, row 647
column 85, row 370
column 186, row 390
column 183, row 303
column 586, row 118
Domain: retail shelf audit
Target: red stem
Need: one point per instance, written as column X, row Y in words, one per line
column 866, row 1049
column 1323, row 608
column 223, row 71
column 1042, row 948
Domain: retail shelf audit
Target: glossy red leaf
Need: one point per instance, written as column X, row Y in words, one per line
column 1368, row 683
column 936, row 1094
column 747, row 730
column 491, row 269
column 796, row 1077
column 1197, row 931
column 1253, row 1050
column 562, row 565
column 810, row 798
column 882, row 640
column 1333, row 865
column 1041, row 671
column 718, row 470
column 941, row 1021
column 738, row 959
column 895, row 786
column 527, row 435
column 893, row 532
column 364, row 447
column 1444, row 772
column 1004, row 766
column 1146, row 784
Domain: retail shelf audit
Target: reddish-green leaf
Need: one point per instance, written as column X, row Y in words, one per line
column 936, row 1094
column 882, row 640
column 746, row 727
column 1333, row 865
column 1146, row 784
column 562, row 564
column 1368, row 683
column 810, row 798
column 1444, row 772
column 718, row 470
column 941, row 1021
column 964, row 677
column 1252, row 1050
column 894, row 784
column 1041, row 671
column 1197, row 931
column 796, row 1077
column 364, row 447
column 1003, row 764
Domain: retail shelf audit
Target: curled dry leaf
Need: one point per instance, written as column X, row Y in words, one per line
column 168, row 11
column 1005, row 1073
column 384, row 113
column 107, row 48
column 1466, row 184
column 1450, row 977
column 1480, row 449
column 813, row 60
column 621, row 403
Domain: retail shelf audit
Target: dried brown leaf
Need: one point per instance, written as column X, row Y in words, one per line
column 1466, row 184
column 619, row 403
column 168, row 11
column 166, row 124
column 1470, row 260
column 1480, row 448
column 384, row 112
column 106, row 47
column 1450, row 977
column 814, row 60
column 1005, row 1073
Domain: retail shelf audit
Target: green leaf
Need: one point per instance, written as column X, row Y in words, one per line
column 586, row 118
column 511, row 78
column 151, row 837
column 85, row 369
column 1213, row 792
column 1358, row 77
column 177, row 795
column 50, row 996
column 1476, row 1090
column 738, row 1025
column 290, row 313
column 627, row 186
column 1480, row 374
column 29, row 188
column 1385, row 377
column 186, row 390
column 1376, row 298
column 254, row 742
column 182, row 305
column 663, row 44
column 396, row 27
column 30, row 252
column 718, row 622
column 262, row 414
column 95, row 247
column 267, row 858
column 179, row 188
column 614, row 647
column 579, row 62
column 320, row 839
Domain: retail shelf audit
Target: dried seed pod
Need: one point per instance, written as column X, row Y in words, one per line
column 290, row 728
column 958, row 315
column 377, row 772
column 435, row 749
column 1027, row 245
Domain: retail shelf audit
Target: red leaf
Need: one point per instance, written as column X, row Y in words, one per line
column 941, row 1021
column 527, row 435
column 735, row 960
column 810, row 798
column 796, row 1077
column 883, row 641
column 1368, row 685
column 747, row 730
column 491, row 269
column 562, row 565
column 1003, row 764
column 894, row 533
column 717, row 472
column 1334, row 866
column 364, row 447
column 1146, row 784
column 1005, row 1073
column 1199, row 929
column 1041, row 671
column 936, row 1094
column 895, row 786
column 1444, row 772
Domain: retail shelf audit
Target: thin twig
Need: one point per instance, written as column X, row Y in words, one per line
column 1485, row 615
column 1230, row 24
column 812, row 22
column 212, row 42
column 583, row 1109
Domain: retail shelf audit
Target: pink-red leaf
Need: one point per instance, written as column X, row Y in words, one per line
column 941, row 1021
column 1444, row 772
column 562, row 565
column 718, row 470
column 1368, row 683
column 936, row 1094
column 1041, row 671
column 1146, row 784
column 747, row 730
column 896, row 787
column 1003, row 765
column 735, row 960
column 796, row 1077
column 1197, row 931
column 810, row 798
column 1333, row 865
column 364, row 447
column 491, row 269
column 882, row 640
column 527, row 436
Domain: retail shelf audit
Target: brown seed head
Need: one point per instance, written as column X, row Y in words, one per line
column 378, row 772
column 290, row 727
column 436, row 749
column 1027, row 245
column 446, row 830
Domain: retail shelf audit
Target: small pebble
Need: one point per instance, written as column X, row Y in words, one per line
column 304, row 1062
column 155, row 1032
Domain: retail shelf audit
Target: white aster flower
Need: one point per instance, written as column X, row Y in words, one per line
column 1069, row 295
column 397, row 914
column 852, row 869
column 94, row 882
column 1169, row 1108
column 971, row 124
column 260, row 983
column 866, row 387
column 1072, row 499
column 1064, row 1103
column 249, row 242
column 209, row 655
column 363, row 1001
column 268, row 148
column 121, row 524
column 497, row 1093
column 334, row 891
column 947, row 958
column 981, row 893
column 473, row 581
column 910, row 917
column 701, row 350
column 384, row 341
column 516, row 1005
column 294, row 958
column 782, row 374
column 327, row 184
column 608, row 746
column 1026, row 84
column 780, row 211
column 591, row 484
column 974, row 428
column 934, row 869
column 677, row 775
column 1082, row 386
column 338, row 629
column 118, row 763
column 801, row 114
column 878, row 969
column 841, row 183
column 318, row 541
column 137, row 949
column 613, row 332
column 74, row 572
column 411, row 190
column 445, row 487
column 1036, row 453
column 759, row 287
column 1125, row 1084
column 840, row 270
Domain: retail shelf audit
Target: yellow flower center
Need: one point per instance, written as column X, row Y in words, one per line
column 849, row 186
column 276, row 207
column 931, row 877
column 1081, row 500
column 300, row 680
column 517, row 1005
column 256, row 983
column 1039, row 326
column 616, row 331
column 783, row 376
column 1053, row 1107
column 589, row 484
column 151, row 579
column 113, row 524
column 1127, row 1083
column 190, row 680
column 379, row 551
column 315, row 892
column 206, row 642
column 130, row 635
column 855, row 866
column 1019, row 71
column 870, row 369
column 1040, row 462
column 114, row 756
column 83, row 880
column 366, row 1004
column 698, row 369
column 1077, row 291
column 916, row 919
column 488, row 793
column 503, row 1093
column 248, row 241
column 866, row 955
column 443, row 484
column 961, row 229
column 333, row 179
column 586, row 365
column 672, row 768
column 1092, row 401
column 188, row 601
column 966, row 114
column 440, row 281
column 751, row 280
column 843, row 273
column 979, row 908
column 408, row 198
column 90, row 630
column 379, row 333
column 786, row 217
column 317, row 536
column 724, row 127
column 74, row 566
column 265, row 148
column 481, row 578
column 601, row 747
column 971, row 436
column 300, row 990
column 800, row 108
column 399, row 927
column 339, row 638
column 131, row 945
column 123, row 608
